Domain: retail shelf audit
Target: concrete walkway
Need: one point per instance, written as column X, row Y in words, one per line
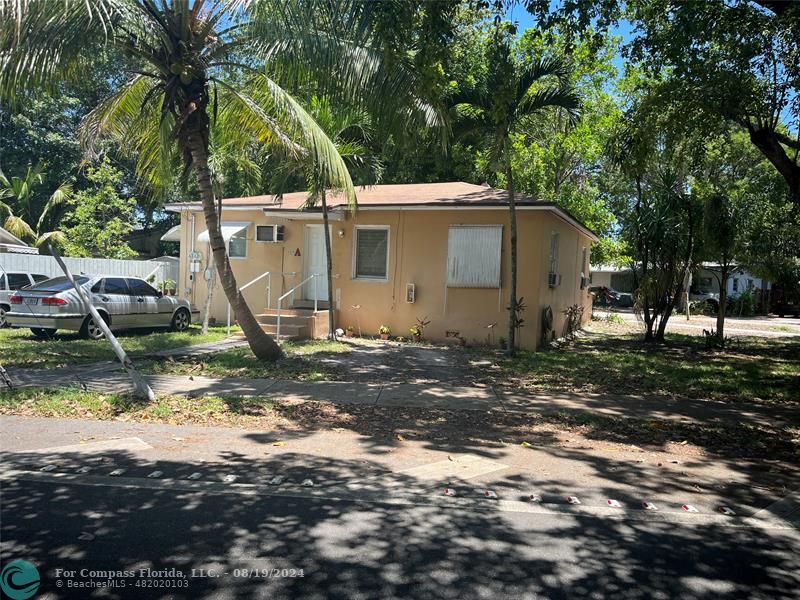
column 415, row 395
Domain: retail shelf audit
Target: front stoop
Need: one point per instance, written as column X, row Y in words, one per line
column 297, row 323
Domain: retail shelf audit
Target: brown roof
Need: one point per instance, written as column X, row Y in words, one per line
column 456, row 193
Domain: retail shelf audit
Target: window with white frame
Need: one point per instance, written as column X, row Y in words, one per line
column 237, row 245
column 371, row 253
column 554, row 253
column 473, row 256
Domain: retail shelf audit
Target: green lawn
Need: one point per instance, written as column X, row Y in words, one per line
column 752, row 370
column 19, row 348
column 299, row 363
column 74, row 403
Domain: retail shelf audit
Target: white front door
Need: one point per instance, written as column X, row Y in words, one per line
column 317, row 288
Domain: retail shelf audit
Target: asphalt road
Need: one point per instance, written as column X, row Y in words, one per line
column 271, row 546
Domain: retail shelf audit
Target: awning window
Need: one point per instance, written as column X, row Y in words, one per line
column 229, row 229
column 173, row 235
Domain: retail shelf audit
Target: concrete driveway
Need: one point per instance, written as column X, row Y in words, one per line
column 758, row 326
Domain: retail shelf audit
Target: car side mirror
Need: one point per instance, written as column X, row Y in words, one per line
column 159, row 294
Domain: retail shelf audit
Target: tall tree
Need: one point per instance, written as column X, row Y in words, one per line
column 565, row 162
column 19, row 214
column 350, row 131
column 735, row 61
column 198, row 59
column 659, row 213
column 99, row 218
column 504, row 103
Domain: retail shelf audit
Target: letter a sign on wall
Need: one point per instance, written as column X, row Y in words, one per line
column 297, row 252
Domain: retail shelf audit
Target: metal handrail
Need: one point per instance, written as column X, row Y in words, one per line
column 268, row 275
column 291, row 291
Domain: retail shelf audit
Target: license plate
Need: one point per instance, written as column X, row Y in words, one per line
column 31, row 301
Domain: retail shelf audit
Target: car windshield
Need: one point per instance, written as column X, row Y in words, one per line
column 57, row 284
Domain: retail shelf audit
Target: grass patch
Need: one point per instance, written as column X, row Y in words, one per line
column 299, row 363
column 750, row 370
column 76, row 403
column 19, row 348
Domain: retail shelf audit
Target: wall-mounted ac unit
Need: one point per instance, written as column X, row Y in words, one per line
column 270, row 233
column 411, row 293
column 553, row 279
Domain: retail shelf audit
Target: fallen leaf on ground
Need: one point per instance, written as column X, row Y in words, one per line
column 401, row 438
column 450, row 457
column 278, row 443
column 525, row 444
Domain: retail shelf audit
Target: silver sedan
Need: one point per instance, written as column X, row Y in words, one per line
column 123, row 302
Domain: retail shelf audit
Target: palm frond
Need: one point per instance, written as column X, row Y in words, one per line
column 5, row 212
column 18, row 227
column 534, row 72
column 57, row 238
column 303, row 126
column 550, row 97
column 45, row 42
column 117, row 116
column 306, row 42
column 58, row 198
column 241, row 114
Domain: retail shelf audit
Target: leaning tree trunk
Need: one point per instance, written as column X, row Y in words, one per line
column 141, row 389
column 512, row 318
column 328, row 268
column 262, row 345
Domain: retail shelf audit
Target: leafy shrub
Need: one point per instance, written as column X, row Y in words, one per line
column 744, row 305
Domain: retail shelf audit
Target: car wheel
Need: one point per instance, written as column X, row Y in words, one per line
column 180, row 320
column 3, row 322
column 91, row 330
column 43, row 333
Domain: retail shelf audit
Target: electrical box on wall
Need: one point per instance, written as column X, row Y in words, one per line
column 411, row 293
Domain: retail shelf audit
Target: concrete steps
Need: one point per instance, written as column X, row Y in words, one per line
column 297, row 322
column 288, row 332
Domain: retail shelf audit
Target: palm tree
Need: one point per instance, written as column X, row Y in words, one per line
column 350, row 131
column 16, row 196
column 506, row 104
column 195, row 61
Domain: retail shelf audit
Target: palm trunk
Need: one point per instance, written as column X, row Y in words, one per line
column 328, row 267
column 512, row 318
column 262, row 345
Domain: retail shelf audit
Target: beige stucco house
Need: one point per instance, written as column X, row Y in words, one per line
column 438, row 251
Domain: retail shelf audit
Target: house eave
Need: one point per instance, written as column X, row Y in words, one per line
column 336, row 213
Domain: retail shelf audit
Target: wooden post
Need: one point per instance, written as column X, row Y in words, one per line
column 141, row 389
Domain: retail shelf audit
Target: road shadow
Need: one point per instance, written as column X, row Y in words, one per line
column 351, row 549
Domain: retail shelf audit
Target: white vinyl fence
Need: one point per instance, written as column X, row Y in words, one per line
column 46, row 265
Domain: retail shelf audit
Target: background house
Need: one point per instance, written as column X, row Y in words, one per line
column 705, row 281
column 11, row 244
column 437, row 251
